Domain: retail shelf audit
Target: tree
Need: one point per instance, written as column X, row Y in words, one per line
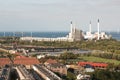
column 70, row 76
column 68, row 55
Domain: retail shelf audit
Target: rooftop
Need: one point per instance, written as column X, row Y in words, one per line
column 51, row 61
column 4, row 61
column 57, row 65
column 25, row 60
column 93, row 64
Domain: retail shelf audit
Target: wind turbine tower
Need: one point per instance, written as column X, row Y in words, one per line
column 4, row 34
column 31, row 34
column 22, row 34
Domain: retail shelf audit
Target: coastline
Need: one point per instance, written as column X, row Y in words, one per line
column 115, row 35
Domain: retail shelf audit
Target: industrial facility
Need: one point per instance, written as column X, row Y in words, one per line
column 74, row 35
column 96, row 35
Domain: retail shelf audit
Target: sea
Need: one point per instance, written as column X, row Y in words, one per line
column 115, row 35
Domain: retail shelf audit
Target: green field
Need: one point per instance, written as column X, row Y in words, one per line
column 97, row 59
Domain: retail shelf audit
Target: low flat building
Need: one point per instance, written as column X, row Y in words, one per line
column 93, row 64
column 22, row 60
column 23, row 73
column 50, row 61
column 45, row 73
column 57, row 67
column 74, row 35
column 4, row 61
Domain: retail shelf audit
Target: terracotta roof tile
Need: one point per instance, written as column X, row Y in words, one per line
column 93, row 64
column 25, row 60
column 4, row 61
column 51, row 61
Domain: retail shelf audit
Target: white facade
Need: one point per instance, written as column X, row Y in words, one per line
column 40, row 56
column 74, row 35
column 12, row 51
column 89, row 70
column 45, row 39
column 97, row 35
column 83, row 77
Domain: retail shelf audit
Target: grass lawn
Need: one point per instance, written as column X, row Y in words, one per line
column 97, row 59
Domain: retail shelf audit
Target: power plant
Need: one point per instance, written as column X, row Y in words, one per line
column 74, row 35
column 96, row 35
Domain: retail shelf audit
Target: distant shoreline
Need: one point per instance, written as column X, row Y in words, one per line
column 115, row 35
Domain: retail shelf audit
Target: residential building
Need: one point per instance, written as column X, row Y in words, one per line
column 93, row 64
column 27, row 61
column 58, row 67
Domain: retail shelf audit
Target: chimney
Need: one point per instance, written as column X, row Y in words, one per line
column 90, row 27
column 98, row 30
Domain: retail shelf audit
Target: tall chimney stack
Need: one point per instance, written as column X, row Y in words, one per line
column 71, row 27
column 90, row 27
column 98, row 30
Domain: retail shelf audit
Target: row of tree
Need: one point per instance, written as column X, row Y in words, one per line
column 105, row 45
column 107, row 55
column 68, row 55
column 105, row 75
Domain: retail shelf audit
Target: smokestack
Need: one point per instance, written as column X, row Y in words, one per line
column 98, row 30
column 90, row 27
column 71, row 27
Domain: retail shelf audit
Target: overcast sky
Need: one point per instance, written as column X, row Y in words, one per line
column 55, row 15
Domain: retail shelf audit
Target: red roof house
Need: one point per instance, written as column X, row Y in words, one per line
column 4, row 61
column 95, row 65
column 50, row 61
column 25, row 60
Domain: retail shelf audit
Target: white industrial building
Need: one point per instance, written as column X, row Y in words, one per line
column 97, row 35
column 74, row 35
